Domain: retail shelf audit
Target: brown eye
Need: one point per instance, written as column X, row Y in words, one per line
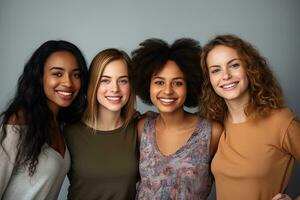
column 57, row 74
column 123, row 81
column 77, row 75
column 235, row 65
column 159, row 83
column 177, row 83
column 104, row 81
column 214, row 71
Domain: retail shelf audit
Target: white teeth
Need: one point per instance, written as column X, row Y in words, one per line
column 113, row 98
column 228, row 85
column 64, row 93
column 167, row 100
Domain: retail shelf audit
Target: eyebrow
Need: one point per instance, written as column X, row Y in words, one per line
column 176, row 78
column 230, row 61
column 234, row 59
column 104, row 76
column 62, row 69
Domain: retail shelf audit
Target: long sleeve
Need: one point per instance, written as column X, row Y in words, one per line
column 8, row 153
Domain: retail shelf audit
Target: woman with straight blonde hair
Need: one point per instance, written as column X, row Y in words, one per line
column 103, row 146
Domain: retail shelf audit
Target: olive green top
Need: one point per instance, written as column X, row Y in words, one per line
column 104, row 164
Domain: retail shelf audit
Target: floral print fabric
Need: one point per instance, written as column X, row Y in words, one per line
column 182, row 175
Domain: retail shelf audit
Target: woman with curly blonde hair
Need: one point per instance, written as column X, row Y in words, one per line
column 259, row 144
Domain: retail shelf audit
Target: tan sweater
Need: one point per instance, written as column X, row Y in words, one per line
column 255, row 159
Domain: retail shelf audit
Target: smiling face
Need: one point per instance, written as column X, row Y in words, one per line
column 168, row 88
column 114, row 87
column 61, row 80
column 227, row 74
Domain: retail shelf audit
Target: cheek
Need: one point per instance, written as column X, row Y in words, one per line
column 126, row 90
column 77, row 84
column 152, row 93
column 183, row 92
column 48, row 83
column 246, row 82
column 100, row 93
column 213, row 80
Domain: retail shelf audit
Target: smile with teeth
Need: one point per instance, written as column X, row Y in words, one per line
column 229, row 86
column 64, row 93
column 167, row 100
column 114, row 98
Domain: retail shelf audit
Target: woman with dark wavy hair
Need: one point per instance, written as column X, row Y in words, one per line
column 50, row 92
column 260, row 141
column 175, row 146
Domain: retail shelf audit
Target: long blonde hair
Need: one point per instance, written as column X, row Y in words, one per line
column 100, row 61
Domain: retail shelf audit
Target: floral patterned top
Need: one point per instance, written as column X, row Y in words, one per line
column 182, row 175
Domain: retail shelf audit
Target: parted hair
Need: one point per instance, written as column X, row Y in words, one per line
column 30, row 106
column 100, row 61
column 265, row 92
column 152, row 55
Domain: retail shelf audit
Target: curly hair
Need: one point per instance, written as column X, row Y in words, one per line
column 265, row 92
column 30, row 102
column 100, row 61
column 153, row 54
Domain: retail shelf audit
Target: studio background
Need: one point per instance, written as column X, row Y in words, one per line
column 271, row 25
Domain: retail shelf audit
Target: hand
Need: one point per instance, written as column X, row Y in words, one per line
column 281, row 196
column 137, row 114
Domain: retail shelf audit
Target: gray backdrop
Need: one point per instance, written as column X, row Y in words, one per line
column 272, row 25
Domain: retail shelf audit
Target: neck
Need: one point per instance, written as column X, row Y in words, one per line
column 108, row 120
column 174, row 119
column 236, row 109
column 54, row 108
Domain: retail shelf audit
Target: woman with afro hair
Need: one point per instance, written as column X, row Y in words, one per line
column 175, row 146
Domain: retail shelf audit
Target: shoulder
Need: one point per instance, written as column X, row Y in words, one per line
column 217, row 128
column 216, row 132
column 282, row 114
column 140, row 126
column 12, row 136
column 73, row 128
column 15, row 126
column 280, row 118
column 17, row 118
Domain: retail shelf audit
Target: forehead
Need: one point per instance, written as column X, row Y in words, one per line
column 62, row 59
column 115, row 68
column 169, row 70
column 221, row 53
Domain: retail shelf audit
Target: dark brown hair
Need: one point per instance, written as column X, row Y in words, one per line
column 153, row 54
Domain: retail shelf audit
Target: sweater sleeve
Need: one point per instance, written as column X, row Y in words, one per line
column 291, row 139
column 8, row 153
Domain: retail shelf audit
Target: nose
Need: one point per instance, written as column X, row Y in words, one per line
column 226, row 74
column 67, row 81
column 168, row 88
column 114, row 86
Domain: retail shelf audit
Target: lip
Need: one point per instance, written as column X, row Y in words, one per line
column 114, row 99
column 65, row 95
column 167, row 101
column 229, row 86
